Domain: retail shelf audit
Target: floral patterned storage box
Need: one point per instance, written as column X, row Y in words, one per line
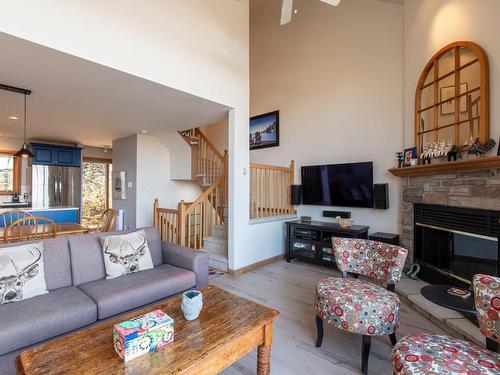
column 143, row 334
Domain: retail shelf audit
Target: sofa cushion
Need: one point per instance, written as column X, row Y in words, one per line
column 137, row 289
column 22, row 273
column 56, row 262
column 39, row 318
column 87, row 263
column 126, row 253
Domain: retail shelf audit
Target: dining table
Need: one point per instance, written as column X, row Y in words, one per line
column 66, row 229
column 62, row 229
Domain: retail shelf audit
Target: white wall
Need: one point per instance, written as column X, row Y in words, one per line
column 153, row 180
column 336, row 75
column 97, row 152
column 125, row 159
column 430, row 25
column 196, row 46
column 217, row 133
column 180, row 156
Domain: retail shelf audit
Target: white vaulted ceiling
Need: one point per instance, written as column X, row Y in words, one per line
column 78, row 101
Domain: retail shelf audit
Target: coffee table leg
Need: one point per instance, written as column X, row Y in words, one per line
column 264, row 352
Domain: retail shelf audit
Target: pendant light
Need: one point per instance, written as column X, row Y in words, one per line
column 24, row 152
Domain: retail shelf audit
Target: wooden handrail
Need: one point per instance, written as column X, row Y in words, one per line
column 202, row 135
column 204, row 196
column 270, row 190
column 267, row 166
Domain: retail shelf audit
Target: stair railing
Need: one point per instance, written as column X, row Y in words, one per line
column 196, row 220
column 191, row 222
column 166, row 220
column 270, row 190
column 208, row 162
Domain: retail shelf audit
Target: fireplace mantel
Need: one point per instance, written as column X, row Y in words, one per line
column 475, row 163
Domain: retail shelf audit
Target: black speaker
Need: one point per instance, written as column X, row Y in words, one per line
column 342, row 214
column 296, row 195
column 381, row 196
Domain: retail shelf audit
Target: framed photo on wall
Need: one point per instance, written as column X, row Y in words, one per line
column 119, row 181
column 265, row 130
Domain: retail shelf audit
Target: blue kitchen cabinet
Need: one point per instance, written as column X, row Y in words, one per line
column 46, row 154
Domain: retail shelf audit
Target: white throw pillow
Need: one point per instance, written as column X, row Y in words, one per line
column 21, row 272
column 126, row 253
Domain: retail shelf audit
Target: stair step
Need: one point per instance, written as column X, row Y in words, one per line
column 217, row 261
column 215, row 245
column 201, row 175
column 220, row 231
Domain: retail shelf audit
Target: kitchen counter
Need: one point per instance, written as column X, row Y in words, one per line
column 35, row 209
column 59, row 214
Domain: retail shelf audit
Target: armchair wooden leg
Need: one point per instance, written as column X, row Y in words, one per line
column 365, row 353
column 319, row 329
column 393, row 338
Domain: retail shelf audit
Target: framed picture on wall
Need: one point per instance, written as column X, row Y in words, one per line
column 447, row 99
column 264, row 130
column 119, row 181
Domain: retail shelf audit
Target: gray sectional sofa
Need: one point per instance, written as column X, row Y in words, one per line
column 79, row 294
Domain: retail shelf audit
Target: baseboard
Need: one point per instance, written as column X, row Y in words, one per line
column 254, row 266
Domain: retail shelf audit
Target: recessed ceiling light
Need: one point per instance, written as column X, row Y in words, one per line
column 144, row 131
column 295, row 11
column 13, row 118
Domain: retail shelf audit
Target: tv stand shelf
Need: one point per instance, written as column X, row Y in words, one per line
column 311, row 241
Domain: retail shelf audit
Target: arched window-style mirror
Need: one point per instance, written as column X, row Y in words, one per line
column 452, row 98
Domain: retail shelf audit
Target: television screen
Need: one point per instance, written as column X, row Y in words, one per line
column 348, row 185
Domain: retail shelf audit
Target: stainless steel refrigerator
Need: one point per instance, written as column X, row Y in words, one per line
column 54, row 186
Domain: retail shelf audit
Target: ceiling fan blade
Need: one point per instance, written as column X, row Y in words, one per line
column 286, row 12
column 332, row 2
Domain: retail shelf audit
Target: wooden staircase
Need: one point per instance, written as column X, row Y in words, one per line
column 202, row 223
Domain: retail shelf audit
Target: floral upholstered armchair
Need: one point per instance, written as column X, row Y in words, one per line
column 423, row 353
column 377, row 260
column 357, row 306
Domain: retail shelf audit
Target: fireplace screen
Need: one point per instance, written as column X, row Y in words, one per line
column 459, row 255
column 452, row 244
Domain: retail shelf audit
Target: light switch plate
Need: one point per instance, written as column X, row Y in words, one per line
column 130, row 185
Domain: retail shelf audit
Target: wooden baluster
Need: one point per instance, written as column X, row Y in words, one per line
column 196, row 229
column 252, row 193
column 291, row 209
column 182, row 224
column 156, row 205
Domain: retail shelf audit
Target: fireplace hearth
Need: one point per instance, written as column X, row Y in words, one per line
column 452, row 244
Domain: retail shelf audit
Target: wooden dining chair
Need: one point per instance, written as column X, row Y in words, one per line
column 9, row 217
column 107, row 221
column 30, row 228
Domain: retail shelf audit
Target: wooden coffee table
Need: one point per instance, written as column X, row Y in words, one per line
column 228, row 328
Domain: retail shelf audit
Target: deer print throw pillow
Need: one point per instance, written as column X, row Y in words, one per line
column 126, row 253
column 21, row 272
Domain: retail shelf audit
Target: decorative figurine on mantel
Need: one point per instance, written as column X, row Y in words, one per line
column 481, row 150
column 434, row 150
column 400, row 157
column 454, row 153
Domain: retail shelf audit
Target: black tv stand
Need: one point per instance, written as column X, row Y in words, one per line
column 311, row 241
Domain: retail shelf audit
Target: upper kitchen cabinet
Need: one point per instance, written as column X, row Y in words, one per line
column 47, row 154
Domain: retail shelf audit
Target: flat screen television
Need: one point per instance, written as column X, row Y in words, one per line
column 347, row 185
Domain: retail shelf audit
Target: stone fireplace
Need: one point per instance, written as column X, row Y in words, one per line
column 468, row 189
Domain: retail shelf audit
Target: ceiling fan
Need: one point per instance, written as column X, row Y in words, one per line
column 287, row 9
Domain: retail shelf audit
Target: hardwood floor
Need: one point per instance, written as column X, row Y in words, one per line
column 289, row 288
